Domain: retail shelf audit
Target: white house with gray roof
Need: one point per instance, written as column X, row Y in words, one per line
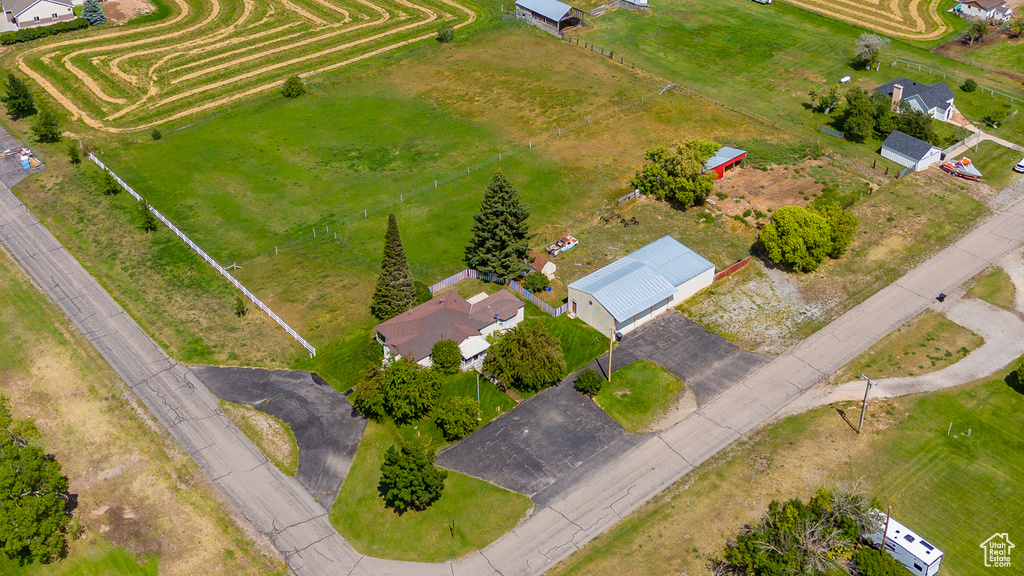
column 911, row 152
column 638, row 287
column 935, row 100
column 550, row 16
column 32, row 13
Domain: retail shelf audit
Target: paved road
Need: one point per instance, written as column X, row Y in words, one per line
column 326, row 427
column 279, row 507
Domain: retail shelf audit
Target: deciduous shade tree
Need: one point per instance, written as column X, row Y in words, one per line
column 47, row 126
column 842, row 225
column 93, row 12
column 535, row 282
column 501, row 233
column 677, row 172
column 457, row 417
column 859, row 115
column 408, row 478
column 446, row 356
column 826, row 98
column 797, row 237
column 799, row 539
column 33, row 495
column 17, row 98
column 869, row 47
column 874, row 562
column 1015, row 28
column 293, row 87
column 589, row 382
column 394, row 293
column 400, row 389
column 976, row 32
column 527, row 358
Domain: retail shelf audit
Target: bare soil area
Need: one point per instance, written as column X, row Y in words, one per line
column 121, row 11
column 958, row 50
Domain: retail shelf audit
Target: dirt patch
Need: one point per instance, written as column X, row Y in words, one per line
column 957, row 50
column 121, row 11
column 764, row 191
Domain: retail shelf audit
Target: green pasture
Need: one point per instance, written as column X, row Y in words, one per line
column 954, row 490
column 763, row 60
column 639, row 394
column 482, row 511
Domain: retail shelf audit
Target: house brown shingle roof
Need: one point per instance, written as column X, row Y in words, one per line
column 987, row 4
column 449, row 316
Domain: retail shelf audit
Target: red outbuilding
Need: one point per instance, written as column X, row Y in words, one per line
column 723, row 160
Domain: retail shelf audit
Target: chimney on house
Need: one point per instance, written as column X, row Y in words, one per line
column 897, row 94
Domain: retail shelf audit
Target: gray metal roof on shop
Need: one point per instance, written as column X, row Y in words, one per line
column 643, row 278
column 552, row 9
column 725, row 154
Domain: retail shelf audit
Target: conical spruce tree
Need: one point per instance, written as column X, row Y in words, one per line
column 92, row 12
column 394, row 293
column 18, row 99
column 501, row 234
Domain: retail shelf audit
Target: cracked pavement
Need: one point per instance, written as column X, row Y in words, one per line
column 281, row 508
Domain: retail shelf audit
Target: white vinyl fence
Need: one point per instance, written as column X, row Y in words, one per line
column 211, row 261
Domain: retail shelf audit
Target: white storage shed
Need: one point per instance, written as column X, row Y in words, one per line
column 639, row 286
column 908, row 151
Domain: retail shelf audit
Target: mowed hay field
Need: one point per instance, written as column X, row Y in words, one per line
column 208, row 53
column 910, row 19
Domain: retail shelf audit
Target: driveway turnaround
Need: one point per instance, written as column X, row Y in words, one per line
column 281, row 508
column 540, row 441
column 326, row 427
column 707, row 363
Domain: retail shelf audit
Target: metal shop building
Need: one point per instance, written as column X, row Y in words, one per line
column 550, row 16
column 639, row 286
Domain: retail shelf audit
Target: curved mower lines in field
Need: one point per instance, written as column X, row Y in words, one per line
column 212, row 52
column 910, row 19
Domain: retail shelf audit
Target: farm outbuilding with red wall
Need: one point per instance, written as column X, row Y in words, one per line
column 724, row 160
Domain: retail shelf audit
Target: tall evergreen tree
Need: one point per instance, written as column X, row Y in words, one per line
column 394, row 293
column 18, row 99
column 92, row 12
column 501, row 234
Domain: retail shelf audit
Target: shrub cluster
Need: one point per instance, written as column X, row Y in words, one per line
column 527, row 358
column 535, row 282
column 401, row 389
column 408, row 478
column 677, row 172
column 457, row 417
column 801, row 237
column 589, row 382
column 8, row 38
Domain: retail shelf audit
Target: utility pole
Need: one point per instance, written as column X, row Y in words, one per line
column 864, row 409
column 611, row 342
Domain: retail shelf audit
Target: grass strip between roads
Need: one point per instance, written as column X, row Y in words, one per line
column 996, row 288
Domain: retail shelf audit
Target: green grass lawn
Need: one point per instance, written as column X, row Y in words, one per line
column 927, row 343
column 482, row 511
column 954, row 490
column 97, row 558
column 580, row 343
column 995, row 287
column 639, row 394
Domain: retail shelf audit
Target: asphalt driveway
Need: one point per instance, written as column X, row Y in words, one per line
column 707, row 363
column 327, row 428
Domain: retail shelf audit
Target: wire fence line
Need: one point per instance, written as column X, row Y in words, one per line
column 933, row 71
column 252, row 297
